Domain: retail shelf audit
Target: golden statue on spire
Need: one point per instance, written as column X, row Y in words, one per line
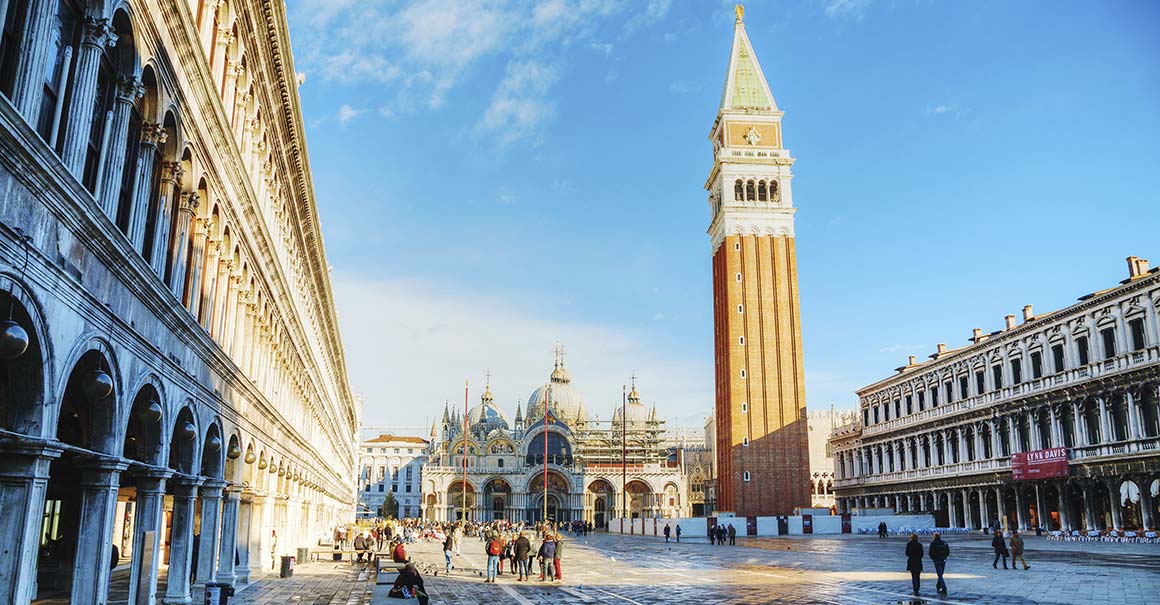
column 740, row 10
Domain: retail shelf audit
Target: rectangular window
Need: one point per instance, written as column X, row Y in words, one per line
column 1136, row 327
column 909, row 404
column 737, row 246
column 980, row 383
column 963, row 394
column 921, row 400
column 897, row 408
column 1109, row 337
column 380, row 487
column 997, row 374
column 745, row 476
column 743, row 372
column 875, row 414
column 408, row 488
column 744, row 407
column 933, row 396
column 394, row 488
column 1057, row 358
column 866, row 417
column 1081, row 345
column 1036, row 365
column 1016, row 371
column 741, row 340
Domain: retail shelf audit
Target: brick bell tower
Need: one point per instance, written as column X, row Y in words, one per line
column 762, row 440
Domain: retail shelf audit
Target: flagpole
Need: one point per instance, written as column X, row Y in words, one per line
column 465, row 425
column 623, row 457
column 547, row 401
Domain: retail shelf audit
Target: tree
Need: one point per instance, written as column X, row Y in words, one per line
column 390, row 507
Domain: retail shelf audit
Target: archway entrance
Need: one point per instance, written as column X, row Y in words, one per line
column 640, row 500
column 460, row 502
column 497, row 492
column 599, row 514
column 603, row 502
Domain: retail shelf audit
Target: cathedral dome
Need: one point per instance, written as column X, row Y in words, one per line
column 635, row 411
column 487, row 417
column 567, row 402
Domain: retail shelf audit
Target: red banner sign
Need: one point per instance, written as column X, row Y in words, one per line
column 1040, row 464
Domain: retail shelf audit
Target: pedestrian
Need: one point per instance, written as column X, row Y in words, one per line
column 494, row 550
column 712, row 535
column 732, row 535
column 1017, row 550
column 556, row 556
column 546, row 555
column 360, row 547
column 939, row 551
column 448, row 544
column 914, row 561
column 881, row 529
column 721, row 535
column 1000, row 547
column 667, row 531
column 678, row 533
column 523, row 550
column 399, row 553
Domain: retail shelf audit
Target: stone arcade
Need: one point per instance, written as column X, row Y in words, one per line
column 173, row 396
column 939, row 435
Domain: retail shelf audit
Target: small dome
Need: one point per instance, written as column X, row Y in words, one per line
column 567, row 402
column 636, row 412
column 486, row 417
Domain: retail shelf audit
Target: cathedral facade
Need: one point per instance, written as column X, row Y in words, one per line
column 556, row 462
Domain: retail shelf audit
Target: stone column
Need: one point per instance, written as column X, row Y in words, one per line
column 186, row 208
column 33, row 58
column 1064, row 509
column 24, row 474
column 1116, row 509
column 1133, row 425
column 1105, row 426
column 211, row 506
column 984, row 513
column 152, row 135
column 1147, row 505
column 97, row 35
column 1089, row 509
column 150, row 508
column 952, row 509
column 242, row 535
column 181, row 542
column 220, row 295
column 1056, row 431
column 1079, row 424
column 1033, row 431
column 209, row 280
column 100, row 480
column 1042, row 516
column 1001, row 507
column 171, row 173
column 1022, row 513
column 127, row 90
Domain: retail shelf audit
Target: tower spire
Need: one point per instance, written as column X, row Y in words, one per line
column 745, row 85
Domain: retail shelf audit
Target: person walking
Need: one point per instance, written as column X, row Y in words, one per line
column 939, row 551
column 712, row 535
column 914, row 561
column 881, row 529
column 546, row 555
column 678, row 533
column 448, row 545
column 523, row 550
column 732, row 535
column 1000, row 547
column 1017, row 550
column 494, row 549
column 667, row 531
column 556, row 556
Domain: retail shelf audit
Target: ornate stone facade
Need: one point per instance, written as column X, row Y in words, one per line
column 585, row 479
column 391, row 464
column 939, row 435
column 762, row 443
column 172, row 362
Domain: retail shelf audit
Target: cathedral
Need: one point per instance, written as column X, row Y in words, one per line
column 557, row 461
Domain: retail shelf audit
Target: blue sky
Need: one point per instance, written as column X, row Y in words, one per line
column 494, row 177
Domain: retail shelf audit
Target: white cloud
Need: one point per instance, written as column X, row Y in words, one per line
column 346, row 113
column 409, row 346
column 520, row 104
column 846, row 9
column 946, row 109
column 684, row 87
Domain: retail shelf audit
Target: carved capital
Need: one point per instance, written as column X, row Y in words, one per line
column 189, row 203
column 98, row 33
column 225, row 38
column 128, row 89
column 172, row 172
column 153, row 134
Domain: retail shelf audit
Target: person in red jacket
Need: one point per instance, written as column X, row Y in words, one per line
column 399, row 554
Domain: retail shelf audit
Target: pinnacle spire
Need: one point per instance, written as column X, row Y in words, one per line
column 745, row 85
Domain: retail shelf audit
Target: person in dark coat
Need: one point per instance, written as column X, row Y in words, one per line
column 448, row 544
column 914, row 561
column 939, row 551
column 712, row 534
column 547, row 554
column 1000, row 546
column 882, row 529
column 678, row 533
column 732, row 535
column 409, row 584
column 668, row 530
column 360, row 546
column 522, row 550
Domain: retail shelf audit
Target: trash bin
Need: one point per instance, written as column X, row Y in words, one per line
column 218, row 593
column 337, row 552
column 303, row 554
column 287, row 567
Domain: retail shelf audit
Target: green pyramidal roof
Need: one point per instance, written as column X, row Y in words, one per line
column 745, row 86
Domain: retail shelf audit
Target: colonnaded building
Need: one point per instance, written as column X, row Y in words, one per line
column 591, row 464
column 172, row 369
column 1053, row 421
column 391, row 464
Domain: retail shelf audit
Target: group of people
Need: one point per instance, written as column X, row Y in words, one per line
column 669, row 532
column 720, row 531
column 516, row 548
column 938, row 551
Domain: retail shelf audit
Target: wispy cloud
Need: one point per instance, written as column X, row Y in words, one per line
column 949, row 109
column 409, row 345
column 346, row 113
column 684, row 87
column 895, row 348
column 418, row 52
column 520, row 104
column 846, row 9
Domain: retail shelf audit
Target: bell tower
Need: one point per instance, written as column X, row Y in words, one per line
column 762, row 438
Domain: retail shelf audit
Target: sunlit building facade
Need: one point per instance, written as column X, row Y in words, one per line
column 173, row 400
column 595, row 470
column 967, row 434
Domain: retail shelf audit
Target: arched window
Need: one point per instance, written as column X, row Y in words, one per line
column 750, row 194
column 500, row 464
column 10, row 35
column 738, row 193
column 773, row 191
column 64, row 42
column 761, row 191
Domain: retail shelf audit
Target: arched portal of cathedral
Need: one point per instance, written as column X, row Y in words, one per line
column 461, row 501
column 640, row 500
column 552, row 501
column 497, row 492
column 603, row 498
